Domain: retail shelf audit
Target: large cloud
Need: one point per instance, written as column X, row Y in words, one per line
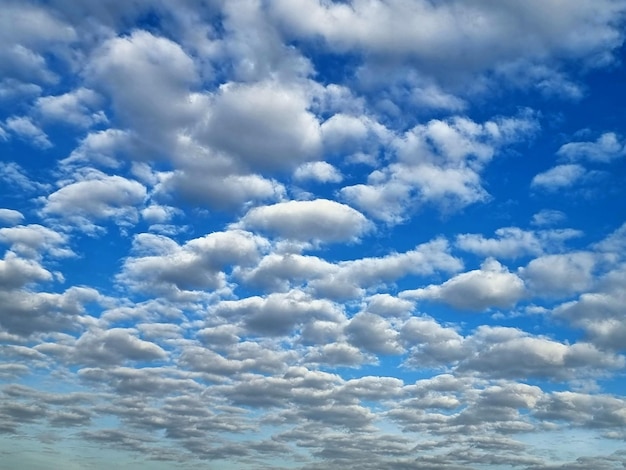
column 490, row 286
column 319, row 219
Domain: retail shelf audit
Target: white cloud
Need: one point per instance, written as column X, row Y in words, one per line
column 263, row 126
column 16, row 272
column 372, row 333
column 277, row 314
column 317, row 220
column 431, row 36
column 561, row 274
column 322, row 172
column 108, row 347
column 10, row 216
column 438, row 163
column 511, row 353
column 513, row 242
column 33, row 240
column 607, row 147
column 24, row 127
column 561, row 176
column 548, row 217
column 163, row 267
column 14, row 175
column 94, row 197
column 490, row 286
column 77, row 108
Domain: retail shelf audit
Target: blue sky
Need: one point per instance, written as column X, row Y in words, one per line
column 311, row 234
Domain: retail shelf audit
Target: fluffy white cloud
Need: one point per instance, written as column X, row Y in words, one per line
column 96, row 196
column 162, row 266
column 431, row 36
column 24, row 128
column 263, row 125
column 277, row 314
column 15, row 272
column 108, row 347
column 561, row 176
column 493, row 285
column 77, row 108
column 322, row 172
column 11, row 216
column 135, row 69
column 548, row 217
column 558, row 275
column 437, row 163
column 607, row 147
column 33, row 240
column 508, row 352
column 513, row 242
column 317, row 220
column 372, row 333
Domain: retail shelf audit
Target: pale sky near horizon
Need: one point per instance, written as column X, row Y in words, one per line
column 312, row 234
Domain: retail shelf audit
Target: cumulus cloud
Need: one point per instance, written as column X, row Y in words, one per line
column 263, row 125
column 11, row 216
column 32, row 240
column 317, row 220
column 114, row 346
column 96, row 196
column 77, row 108
column 559, row 177
column 513, row 242
column 23, row 127
column 511, row 353
column 606, row 148
column 493, row 285
column 299, row 186
column 438, row 163
column 322, row 172
column 162, row 266
column 558, row 275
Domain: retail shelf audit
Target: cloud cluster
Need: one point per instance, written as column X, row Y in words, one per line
column 312, row 234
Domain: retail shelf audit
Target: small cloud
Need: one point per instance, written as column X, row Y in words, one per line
column 24, row 128
column 609, row 146
column 548, row 217
column 561, row 176
column 318, row 171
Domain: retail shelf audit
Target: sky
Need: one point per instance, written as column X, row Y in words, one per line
column 313, row 234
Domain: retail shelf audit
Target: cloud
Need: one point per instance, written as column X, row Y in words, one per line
column 131, row 71
column 74, row 108
column 317, row 220
column 322, row 172
column 115, row 346
column 24, row 128
column 431, row 37
column 26, row 312
column 511, row 353
column 33, row 240
column 605, row 149
column 438, row 163
column 373, row 333
column 255, row 236
column 490, row 286
column 558, row 275
column 10, row 216
column 264, row 125
column 513, row 242
column 163, row 267
column 94, row 197
column 559, row 177
column 277, row 314
column 16, row 272
column 548, row 217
